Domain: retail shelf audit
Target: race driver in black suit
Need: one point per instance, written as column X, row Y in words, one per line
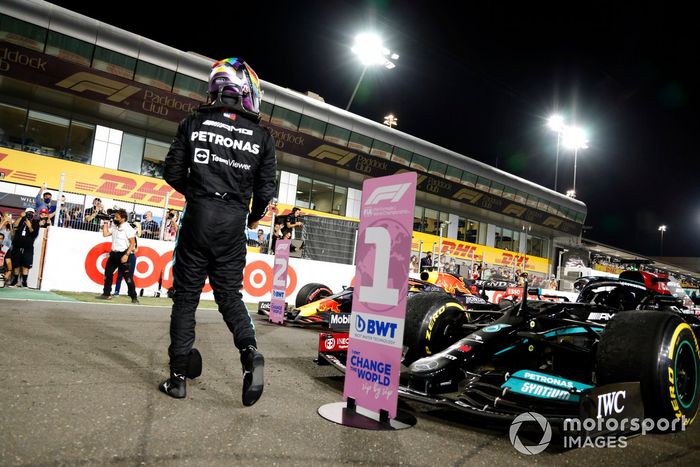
column 220, row 157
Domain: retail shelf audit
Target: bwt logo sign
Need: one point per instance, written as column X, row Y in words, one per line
column 392, row 193
column 375, row 327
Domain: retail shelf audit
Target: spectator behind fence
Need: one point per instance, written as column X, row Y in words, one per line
column 26, row 229
column 43, row 200
column 171, row 226
column 426, row 263
column 413, row 266
column 6, row 228
column 149, row 227
column 276, row 235
column 3, row 253
column 262, row 241
column 44, row 221
column 93, row 214
column 293, row 221
column 123, row 244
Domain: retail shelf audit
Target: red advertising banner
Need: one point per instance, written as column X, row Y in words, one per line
column 379, row 302
column 279, row 281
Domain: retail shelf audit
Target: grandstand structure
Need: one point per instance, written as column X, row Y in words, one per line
column 90, row 109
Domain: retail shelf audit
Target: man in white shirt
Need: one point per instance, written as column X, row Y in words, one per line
column 123, row 244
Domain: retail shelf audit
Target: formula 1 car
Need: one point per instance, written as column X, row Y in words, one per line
column 316, row 304
column 625, row 347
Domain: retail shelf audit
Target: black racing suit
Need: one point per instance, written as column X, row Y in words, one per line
column 218, row 160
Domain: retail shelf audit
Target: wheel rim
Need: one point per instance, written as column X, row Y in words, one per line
column 685, row 369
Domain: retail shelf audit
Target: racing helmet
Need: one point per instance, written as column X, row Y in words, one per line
column 233, row 84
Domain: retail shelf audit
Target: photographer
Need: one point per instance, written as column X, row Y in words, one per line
column 94, row 214
column 123, row 244
column 171, row 226
column 26, row 229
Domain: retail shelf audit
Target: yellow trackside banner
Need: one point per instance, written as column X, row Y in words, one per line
column 478, row 253
column 32, row 169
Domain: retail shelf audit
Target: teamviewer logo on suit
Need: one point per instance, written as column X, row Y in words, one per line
column 392, row 193
column 201, row 156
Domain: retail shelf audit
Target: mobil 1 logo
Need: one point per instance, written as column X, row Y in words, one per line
column 201, row 156
column 339, row 321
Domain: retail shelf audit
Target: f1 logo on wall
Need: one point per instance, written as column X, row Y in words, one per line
column 393, row 193
column 201, row 156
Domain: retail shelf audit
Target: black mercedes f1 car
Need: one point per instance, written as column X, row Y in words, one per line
column 626, row 345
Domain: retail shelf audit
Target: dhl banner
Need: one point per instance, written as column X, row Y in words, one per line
column 479, row 253
column 32, row 169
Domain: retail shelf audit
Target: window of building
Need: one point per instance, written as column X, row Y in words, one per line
column 312, row 126
column 285, row 118
column 509, row 193
column 401, row 156
column 431, row 221
column 322, row 196
column 360, row 142
column 468, row 179
column 453, row 174
column 496, row 188
column 265, row 111
column 190, row 87
column 483, row 184
column 12, row 122
column 507, row 239
column 46, row 134
column 340, row 197
column 131, row 153
column 532, row 201
column 114, row 62
column 69, row 48
column 80, row 140
column 418, row 218
column 21, row 33
column 437, row 168
column 303, row 199
column 536, row 246
column 520, row 196
column 420, row 162
column 105, row 151
column 381, row 149
column 154, row 75
column 337, row 135
column 467, row 230
column 154, row 158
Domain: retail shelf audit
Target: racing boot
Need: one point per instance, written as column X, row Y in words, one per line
column 175, row 386
column 253, row 383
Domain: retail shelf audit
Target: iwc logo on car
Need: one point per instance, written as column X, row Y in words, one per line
column 201, row 156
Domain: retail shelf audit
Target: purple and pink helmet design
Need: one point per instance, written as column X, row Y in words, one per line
column 235, row 79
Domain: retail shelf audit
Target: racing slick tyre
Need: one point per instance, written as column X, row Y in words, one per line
column 433, row 322
column 659, row 350
column 312, row 292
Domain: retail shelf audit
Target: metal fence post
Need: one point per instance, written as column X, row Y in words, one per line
column 165, row 216
column 59, row 204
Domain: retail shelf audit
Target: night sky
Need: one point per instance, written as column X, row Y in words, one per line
column 481, row 80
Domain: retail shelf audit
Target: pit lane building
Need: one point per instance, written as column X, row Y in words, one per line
column 101, row 105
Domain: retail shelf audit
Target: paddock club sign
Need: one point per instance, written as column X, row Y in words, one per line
column 45, row 70
column 312, row 148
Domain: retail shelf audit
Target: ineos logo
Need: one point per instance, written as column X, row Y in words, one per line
column 201, row 156
column 330, row 343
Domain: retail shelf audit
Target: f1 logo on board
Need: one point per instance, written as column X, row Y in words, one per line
column 114, row 90
column 393, row 193
column 607, row 403
column 201, row 156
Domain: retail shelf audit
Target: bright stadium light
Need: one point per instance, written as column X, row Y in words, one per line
column 556, row 124
column 370, row 49
column 391, row 121
column 574, row 138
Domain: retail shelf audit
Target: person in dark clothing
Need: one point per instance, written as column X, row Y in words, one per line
column 426, row 263
column 26, row 229
column 220, row 158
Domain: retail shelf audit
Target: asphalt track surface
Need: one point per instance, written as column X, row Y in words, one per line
column 79, row 388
